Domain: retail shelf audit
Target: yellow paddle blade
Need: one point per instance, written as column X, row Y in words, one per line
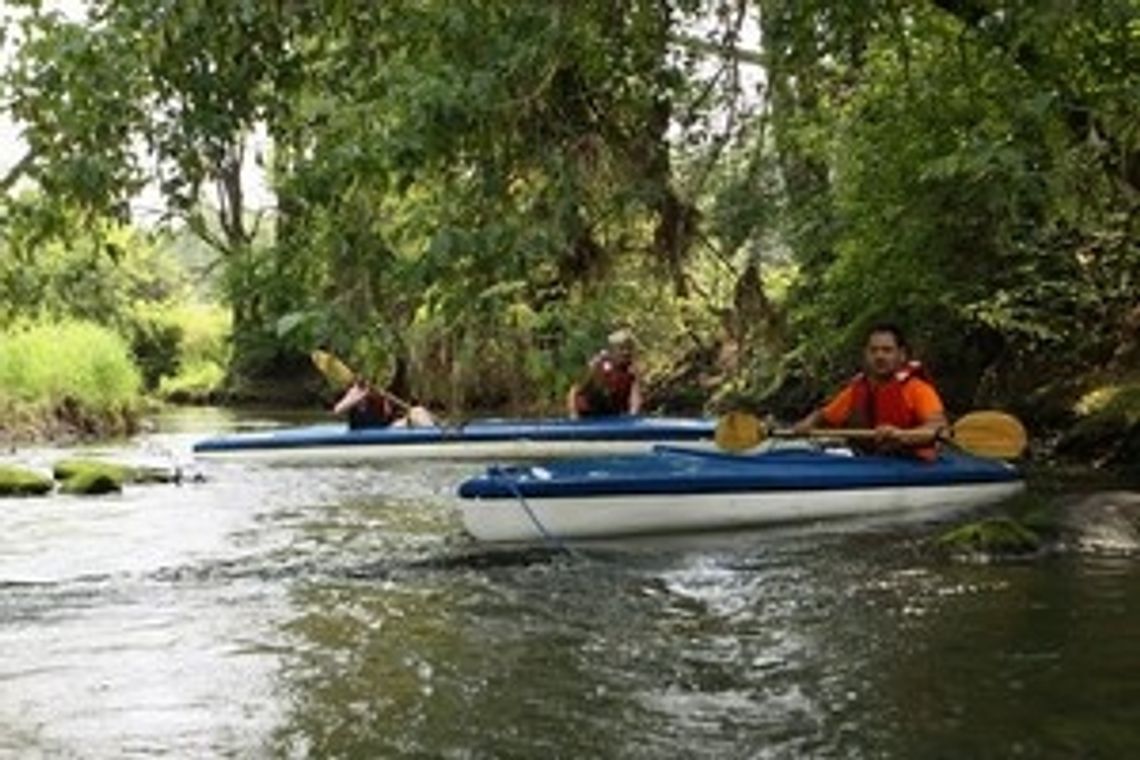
column 334, row 370
column 737, row 431
column 990, row 434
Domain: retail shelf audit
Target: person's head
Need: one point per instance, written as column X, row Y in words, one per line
column 884, row 351
column 621, row 346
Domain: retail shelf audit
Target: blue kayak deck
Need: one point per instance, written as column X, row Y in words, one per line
column 671, row 470
column 647, row 429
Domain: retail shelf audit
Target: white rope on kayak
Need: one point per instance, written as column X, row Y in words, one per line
column 548, row 536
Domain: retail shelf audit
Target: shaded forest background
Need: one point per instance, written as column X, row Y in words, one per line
column 470, row 194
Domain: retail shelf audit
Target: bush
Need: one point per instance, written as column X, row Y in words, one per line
column 70, row 364
column 155, row 342
column 201, row 352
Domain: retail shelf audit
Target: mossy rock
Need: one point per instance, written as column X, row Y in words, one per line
column 92, row 482
column 16, row 481
column 996, row 536
column 67, row 468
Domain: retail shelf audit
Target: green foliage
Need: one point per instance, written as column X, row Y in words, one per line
column 186, row 350
column 155, row 342
column 96, row 273
column 203, row 352
column 949, row 166
column 1119, row 401
column 471, row 193
column 196, row 381
column 1108, row 428
column 45, row 364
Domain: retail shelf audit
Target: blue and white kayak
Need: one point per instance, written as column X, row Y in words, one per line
column 482, row 439
column 681, row 490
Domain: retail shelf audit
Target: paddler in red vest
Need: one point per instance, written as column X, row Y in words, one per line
column 611, row 386
column 890, row 395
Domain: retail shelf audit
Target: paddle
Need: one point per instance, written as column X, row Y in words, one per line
column 334, row 370
column 988, row 434
column 339, row 373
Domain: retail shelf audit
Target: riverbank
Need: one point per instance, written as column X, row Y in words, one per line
column 67, row 381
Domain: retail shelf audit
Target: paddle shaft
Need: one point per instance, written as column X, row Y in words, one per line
column 337, row 371
column 916, row 435
column 394, row 399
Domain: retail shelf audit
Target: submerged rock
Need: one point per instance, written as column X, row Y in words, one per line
column 16, row 481
column 992, row 538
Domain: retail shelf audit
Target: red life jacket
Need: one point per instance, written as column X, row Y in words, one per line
column 608, row 388
column 875, row 404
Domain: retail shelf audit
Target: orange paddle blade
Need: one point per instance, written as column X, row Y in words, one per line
column 990, row 434
column 737, row 431
column 334, row 370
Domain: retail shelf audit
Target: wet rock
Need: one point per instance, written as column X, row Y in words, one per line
column 69, row 468
column 90, row 476
column 143, row 474
column 92, row 482
column 151, row 474
column 16, row 481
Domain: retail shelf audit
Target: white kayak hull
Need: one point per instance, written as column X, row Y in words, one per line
column 492, row 440
column 462, row 450
column 538, row 519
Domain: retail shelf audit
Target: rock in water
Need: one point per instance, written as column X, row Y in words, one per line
column 17, row 481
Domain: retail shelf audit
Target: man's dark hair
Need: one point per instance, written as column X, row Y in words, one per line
column 888, row 327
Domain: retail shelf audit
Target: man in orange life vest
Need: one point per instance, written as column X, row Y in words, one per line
column 611, row 386
column 891, row 395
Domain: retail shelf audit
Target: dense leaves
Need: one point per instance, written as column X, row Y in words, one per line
column 471, row 193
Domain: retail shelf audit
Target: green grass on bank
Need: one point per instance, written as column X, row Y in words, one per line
column 46, row 365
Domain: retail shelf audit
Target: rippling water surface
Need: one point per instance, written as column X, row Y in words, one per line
column 340, row 612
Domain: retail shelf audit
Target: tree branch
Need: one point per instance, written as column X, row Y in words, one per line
column 18, row 170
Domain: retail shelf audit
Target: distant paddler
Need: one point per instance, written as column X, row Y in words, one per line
column 367, row 405
column 611, row 386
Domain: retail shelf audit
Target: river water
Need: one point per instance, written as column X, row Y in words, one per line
column 340, row 612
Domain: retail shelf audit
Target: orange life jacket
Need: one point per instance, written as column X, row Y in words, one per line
column 875, row 404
